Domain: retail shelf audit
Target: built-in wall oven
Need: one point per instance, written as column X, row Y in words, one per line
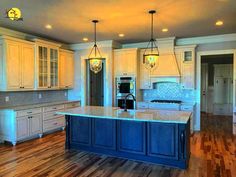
column 124, row 86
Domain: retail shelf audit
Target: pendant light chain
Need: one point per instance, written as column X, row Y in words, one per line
column 152, row 34
column 150, row 58
column 95, row 61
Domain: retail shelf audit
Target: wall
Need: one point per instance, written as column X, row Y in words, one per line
column 31, row 97
column 81, row 54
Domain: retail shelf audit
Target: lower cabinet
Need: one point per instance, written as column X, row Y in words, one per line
column 27, row 126
column 163, row 140
column 104, row 133
column 81, row 130
column 161, row 143
column 131, row 136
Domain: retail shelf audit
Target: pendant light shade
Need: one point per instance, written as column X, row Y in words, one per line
column 95, row 58
column 151, row 53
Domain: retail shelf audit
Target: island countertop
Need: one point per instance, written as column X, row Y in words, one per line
column 164, row 116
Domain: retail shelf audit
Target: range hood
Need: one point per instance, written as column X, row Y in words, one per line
column 167, row 69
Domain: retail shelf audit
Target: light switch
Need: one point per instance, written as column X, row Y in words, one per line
column 40, row 95
column 7, row 98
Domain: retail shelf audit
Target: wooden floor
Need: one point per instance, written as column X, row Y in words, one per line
column 213, row 154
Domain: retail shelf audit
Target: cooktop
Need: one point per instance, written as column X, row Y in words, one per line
column 167, row 101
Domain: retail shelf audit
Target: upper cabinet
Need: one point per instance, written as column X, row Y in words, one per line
column 186, row 60
column 47, row 65
column 125, row 62
column 66, row 71
column 16, row 64
column 145, row 80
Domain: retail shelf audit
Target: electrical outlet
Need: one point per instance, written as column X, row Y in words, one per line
column 7, row 98
column 40, row 95
column 65, row 93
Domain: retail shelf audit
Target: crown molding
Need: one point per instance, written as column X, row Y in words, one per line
column 101, row 44
column 206, row 39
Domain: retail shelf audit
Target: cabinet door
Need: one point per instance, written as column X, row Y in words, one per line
column 53, row 68
column 27, row 61
column 145, row 80
column 81, row 130
column 104, row 133
column 22, row 126
column 125, row 62
column 63, row 69
column 36, row 124
column 187, row 76
column 70, row 71
column 131, row 137
column 13, row 65
column 163, row 140
column 43, row 69
column 66, row 70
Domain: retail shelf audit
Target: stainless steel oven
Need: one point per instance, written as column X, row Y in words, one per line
column 125, row 85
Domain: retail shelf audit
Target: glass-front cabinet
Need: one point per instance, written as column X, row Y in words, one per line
column 48, row 60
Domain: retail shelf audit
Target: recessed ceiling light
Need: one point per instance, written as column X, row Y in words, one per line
column 85, row 39
column 219, row 23
column 165, row 30
column 48, row 26
column 121, row 35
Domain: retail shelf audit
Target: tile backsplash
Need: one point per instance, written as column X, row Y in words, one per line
column 32, row 97
column 168, row 91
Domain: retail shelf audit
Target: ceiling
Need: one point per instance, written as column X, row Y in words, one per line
column 71, row 20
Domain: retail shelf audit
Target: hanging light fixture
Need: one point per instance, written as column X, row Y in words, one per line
column 151, row 53
column 95, row 58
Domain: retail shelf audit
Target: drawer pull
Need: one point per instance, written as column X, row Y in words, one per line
column 55, row 124
column 30, row 117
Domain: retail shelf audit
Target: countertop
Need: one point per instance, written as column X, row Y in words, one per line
column 30, row 106
column 135, row 115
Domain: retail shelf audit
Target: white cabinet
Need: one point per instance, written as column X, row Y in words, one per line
column 223, row 89
column 66, row 69
column 22, row 127
column 17, row 64
column 187, row 76
column 27, row 126
column 125, row 62
column 47, row 61
column 186, row 60
column 145, row 80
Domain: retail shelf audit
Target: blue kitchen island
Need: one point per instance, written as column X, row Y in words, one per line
column 158, row 136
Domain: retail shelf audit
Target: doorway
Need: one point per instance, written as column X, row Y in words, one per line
column 95, row 86
column 217, row 92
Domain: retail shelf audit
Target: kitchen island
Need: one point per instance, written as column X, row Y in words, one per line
column 160, row 136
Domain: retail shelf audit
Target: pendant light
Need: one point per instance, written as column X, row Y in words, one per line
column 151, row 53
column 95, row 58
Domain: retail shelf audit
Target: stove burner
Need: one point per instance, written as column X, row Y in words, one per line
column 167, row 101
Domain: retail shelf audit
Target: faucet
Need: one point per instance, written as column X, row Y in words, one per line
column 125, row 106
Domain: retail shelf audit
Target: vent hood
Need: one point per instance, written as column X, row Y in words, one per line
column 167, row 69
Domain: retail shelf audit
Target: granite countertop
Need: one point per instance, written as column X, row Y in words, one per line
column 30, row 106
column 135, row 115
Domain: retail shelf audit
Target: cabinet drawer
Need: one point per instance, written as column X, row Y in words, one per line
column 72, row 105
column 53, row 108
column 186, row 108
column 142, row 105
column 28, row 112
column 53, row 123
column 51, row 115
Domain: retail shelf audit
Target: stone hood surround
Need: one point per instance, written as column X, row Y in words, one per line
column 167, row 69
column 133, row 115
